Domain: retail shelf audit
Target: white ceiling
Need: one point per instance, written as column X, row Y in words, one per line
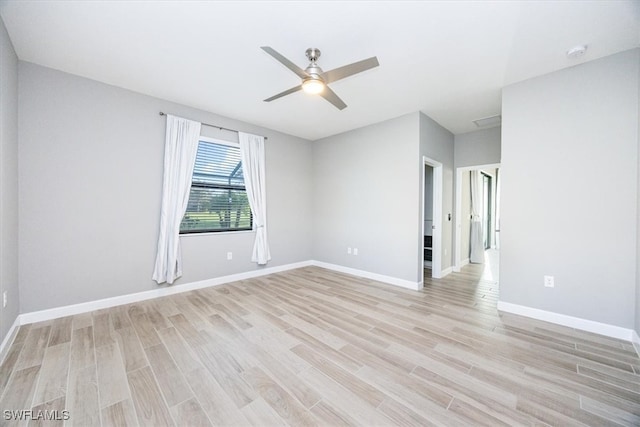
column 447, row 59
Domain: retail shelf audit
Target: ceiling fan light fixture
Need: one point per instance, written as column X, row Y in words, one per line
column 314, row 80
column 313, row 86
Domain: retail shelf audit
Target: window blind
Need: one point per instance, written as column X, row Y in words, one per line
column 218, row 198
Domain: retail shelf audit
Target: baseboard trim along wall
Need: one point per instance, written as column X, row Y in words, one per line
column 54, row 313
column 416, row 286
column 70, row 310
column 445, row 272
column 8, row 339
column 570, row 321
column 635, row 340
column 460, row 265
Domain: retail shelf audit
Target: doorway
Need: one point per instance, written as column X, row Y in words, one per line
column 489, row 211
column 428, row 219
column 487, row 196
column 431, row 239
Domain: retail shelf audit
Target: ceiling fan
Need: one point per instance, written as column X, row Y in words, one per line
column 314, row 80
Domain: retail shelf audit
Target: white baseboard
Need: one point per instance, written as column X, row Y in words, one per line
column 446, row 272
column 570, row 321
column 8, row 339
column 69, row 310
column 54, row 313
column 443, row 273
column 461, row 264
column 416, row 286
column 635, row 340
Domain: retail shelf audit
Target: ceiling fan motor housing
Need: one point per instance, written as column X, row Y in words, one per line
column 313, row 54
column 313, row 70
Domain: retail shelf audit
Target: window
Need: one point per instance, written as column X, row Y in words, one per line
column 218, row 198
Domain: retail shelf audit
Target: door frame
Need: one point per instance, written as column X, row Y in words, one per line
column 436, row 257
column 488, row 204
column 457, row 262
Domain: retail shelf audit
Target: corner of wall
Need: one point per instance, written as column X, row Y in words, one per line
column 637, row 307
column 9, row 285
column 346, row 169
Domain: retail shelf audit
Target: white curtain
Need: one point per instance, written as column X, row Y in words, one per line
column 253, row 168
column 181, row 146
column 477, row 240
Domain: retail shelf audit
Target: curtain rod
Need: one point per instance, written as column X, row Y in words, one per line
column 214, row 126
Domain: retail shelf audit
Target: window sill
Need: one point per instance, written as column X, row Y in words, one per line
column 214, row 233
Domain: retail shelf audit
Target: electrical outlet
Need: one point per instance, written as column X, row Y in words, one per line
column 349, row 251
column 229, row 255
column 548, row 282
column 355, row 251
column 4, row 299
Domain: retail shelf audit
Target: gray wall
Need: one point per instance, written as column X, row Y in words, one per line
column 90, row 171
column 437, row 143
column 365, row 196
column 637, row 323
column 8, row 182
column 90, row 180
column 566, row 137
column 481, row 147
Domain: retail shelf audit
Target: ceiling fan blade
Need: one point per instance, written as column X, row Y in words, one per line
column 285, row 93
column 349, row 70
column 331, row 96
column 284, row 61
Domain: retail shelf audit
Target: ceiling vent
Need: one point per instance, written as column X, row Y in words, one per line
column 488, row 121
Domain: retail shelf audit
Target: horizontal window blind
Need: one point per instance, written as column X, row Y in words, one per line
column 218, row 198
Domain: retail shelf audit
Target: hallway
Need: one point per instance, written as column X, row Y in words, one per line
column 474, row 284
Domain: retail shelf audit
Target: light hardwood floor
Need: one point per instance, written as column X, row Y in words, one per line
column 316, row 347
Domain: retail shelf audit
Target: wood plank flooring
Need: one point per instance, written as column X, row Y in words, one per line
column 315, row 347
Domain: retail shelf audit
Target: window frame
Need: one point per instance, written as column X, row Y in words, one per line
column 232, row 144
